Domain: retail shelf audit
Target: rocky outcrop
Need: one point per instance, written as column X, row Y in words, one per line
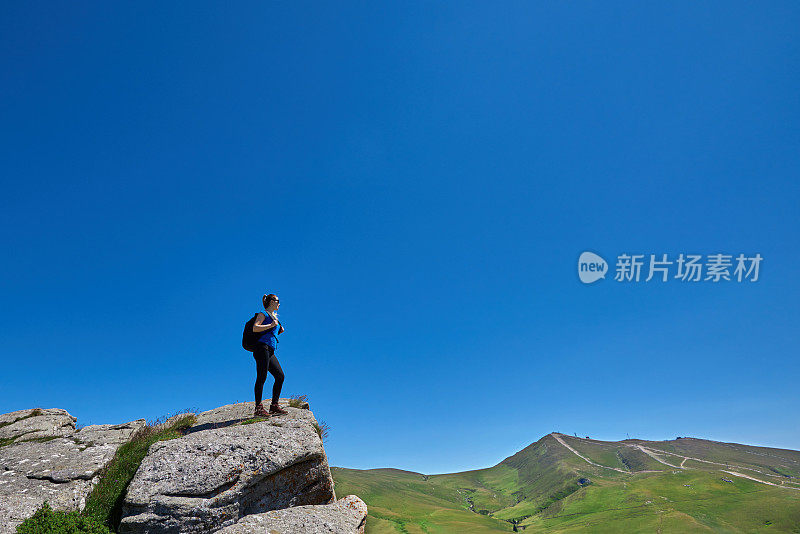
column 223, row 470
column 36, row 423
column 49, row 459
column 347, row 515
column 226, row 473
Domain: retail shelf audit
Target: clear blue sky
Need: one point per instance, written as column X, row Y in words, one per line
column 415, row 181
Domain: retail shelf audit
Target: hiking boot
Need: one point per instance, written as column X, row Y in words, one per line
column 277, row 410
column 260, row 411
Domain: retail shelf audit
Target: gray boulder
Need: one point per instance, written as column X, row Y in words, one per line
column 109, row 434
column 62, row 470
column 223, row 470
column 348, row 515
column 36, row 423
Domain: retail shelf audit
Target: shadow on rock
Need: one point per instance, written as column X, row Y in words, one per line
column 212, row 425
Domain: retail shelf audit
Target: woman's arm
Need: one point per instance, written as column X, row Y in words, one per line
column 259, row 327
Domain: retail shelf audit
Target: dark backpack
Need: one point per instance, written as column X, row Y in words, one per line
column 249, row 338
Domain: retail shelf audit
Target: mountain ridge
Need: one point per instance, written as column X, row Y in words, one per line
column 565, row 483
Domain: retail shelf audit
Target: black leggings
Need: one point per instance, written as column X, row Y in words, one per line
column 267, row 361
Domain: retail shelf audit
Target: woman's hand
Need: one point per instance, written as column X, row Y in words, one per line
column 264, row 327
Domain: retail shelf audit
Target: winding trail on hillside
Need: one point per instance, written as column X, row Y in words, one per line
column 652, row 453
column 656, row 458
column 659, row 451
column 757, row 480
column 561, row 441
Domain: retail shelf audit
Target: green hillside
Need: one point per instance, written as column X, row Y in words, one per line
column 563, row 483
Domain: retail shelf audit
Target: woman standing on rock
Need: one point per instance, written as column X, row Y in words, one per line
column 265, row 355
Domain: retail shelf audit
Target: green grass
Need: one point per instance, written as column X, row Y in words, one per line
column 296, row 401
column 322, row 429
column 537, row 490
column 104, row 504
column 636, row 460
column 402, row 501
column 267, row 420
column 49, row 521
column 662, row 501
column 253, row 420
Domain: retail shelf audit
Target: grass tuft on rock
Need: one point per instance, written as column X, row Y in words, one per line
column 49, row 521
column 104, row 504
column 322, row 429
column 253, row 420
column 297, row 401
